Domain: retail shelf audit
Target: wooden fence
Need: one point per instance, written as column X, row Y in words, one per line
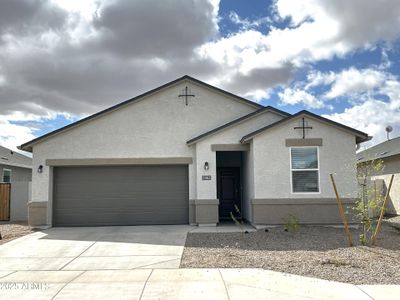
column 5, row 189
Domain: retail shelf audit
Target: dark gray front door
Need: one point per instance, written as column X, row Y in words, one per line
column 120, row 195
column 228, row 189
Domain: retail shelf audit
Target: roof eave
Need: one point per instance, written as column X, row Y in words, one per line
column 28, row 145
column 236, row 122
column 360, row 136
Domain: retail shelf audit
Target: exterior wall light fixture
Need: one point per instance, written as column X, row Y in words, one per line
column 40, row 169
column 206, row 166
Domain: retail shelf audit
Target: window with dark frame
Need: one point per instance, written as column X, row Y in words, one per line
column 6, row 175
column 304, row 169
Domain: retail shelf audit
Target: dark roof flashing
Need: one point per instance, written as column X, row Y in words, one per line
column 28, row 145
column 360, row 136
column 238, row 121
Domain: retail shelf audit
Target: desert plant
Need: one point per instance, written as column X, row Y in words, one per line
column 368, row 200
column 292, row 223
column 238, row 219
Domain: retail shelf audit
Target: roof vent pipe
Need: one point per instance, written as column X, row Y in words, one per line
column 388, row 131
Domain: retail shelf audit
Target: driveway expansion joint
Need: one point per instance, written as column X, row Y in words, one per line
column 12, row 272
column 78, row 256
column 223, row 281
column 368, row 295
column 145, row 283
column 52, row 298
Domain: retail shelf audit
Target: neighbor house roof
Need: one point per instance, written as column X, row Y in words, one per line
column 360, row 136
column 237, row 121
column 28, row 146
column 386, row 149
column 11, row 158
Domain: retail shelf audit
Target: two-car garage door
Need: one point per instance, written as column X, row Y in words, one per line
column 120, row 195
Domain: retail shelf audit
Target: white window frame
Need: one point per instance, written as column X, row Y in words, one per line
column 2, row 179
column 294, row 170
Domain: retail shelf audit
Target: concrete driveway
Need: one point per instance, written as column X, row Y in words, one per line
column 143, row 263
column 96, row 248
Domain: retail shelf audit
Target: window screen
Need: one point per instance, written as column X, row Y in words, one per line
column 305, row 170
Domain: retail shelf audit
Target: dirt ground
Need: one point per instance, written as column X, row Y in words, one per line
column 320, row 252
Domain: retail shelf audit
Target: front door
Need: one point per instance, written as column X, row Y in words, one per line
column 228, row 187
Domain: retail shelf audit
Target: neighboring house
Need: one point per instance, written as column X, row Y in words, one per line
column 187, row 152
column 389, row 153
column 15, row 169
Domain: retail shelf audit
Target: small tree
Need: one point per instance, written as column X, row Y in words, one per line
column 369, row 199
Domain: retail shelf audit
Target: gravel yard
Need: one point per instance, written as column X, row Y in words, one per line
column 311, row 251
column 10, row 231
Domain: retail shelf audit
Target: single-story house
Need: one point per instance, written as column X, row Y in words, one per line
column 15, row 180
column 188, row 152
column 389, row 153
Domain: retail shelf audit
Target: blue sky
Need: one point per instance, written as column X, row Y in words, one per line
column 61, row 60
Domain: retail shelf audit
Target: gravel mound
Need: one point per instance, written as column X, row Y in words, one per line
column 320, row 252
column 10, row 231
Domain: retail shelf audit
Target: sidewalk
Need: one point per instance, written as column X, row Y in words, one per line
column 180, row 284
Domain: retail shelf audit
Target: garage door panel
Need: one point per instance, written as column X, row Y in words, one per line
column 120, row 195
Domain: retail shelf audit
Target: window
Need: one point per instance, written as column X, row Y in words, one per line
column 304, row 169
column 6, row 175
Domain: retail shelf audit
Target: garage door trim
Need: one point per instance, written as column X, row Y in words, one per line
column 120, row 195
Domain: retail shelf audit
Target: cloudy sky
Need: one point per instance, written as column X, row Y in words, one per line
column 61, row 60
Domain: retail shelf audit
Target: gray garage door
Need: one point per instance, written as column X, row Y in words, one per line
column 120, row 195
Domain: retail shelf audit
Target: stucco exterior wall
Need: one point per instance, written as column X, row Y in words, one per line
column 272, row 161
column 157, row 126
column 20, row 194
column 17, row 173
column 392, row 166
column 272, row 175
column 248, row 180
column 206, row 189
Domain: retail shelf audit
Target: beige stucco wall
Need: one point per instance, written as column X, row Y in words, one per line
column 17, row 173
column 392, row 166
column 206, row 189
column 157, row 126
column 248, row 189
column 20, row 195
column 272, row 161
column 272, row 175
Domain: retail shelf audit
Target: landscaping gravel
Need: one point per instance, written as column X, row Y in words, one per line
column 10, row 231
column 320, row 252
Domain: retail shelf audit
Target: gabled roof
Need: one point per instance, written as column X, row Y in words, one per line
column 237, row 121
column 386, row 149
column 11, row 158
column 360, row 136
column 28, row 146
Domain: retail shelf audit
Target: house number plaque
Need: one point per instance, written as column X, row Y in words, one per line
column 206, row 177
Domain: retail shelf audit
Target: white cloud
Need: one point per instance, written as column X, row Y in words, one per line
column 371, row 117
column 363, row 90
column 77, row 58
column 247, row 24
column 353, row 80
column 258, row 95
column 316, row 78
column 319, row 30
column 296, row 96
column 12, row 135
